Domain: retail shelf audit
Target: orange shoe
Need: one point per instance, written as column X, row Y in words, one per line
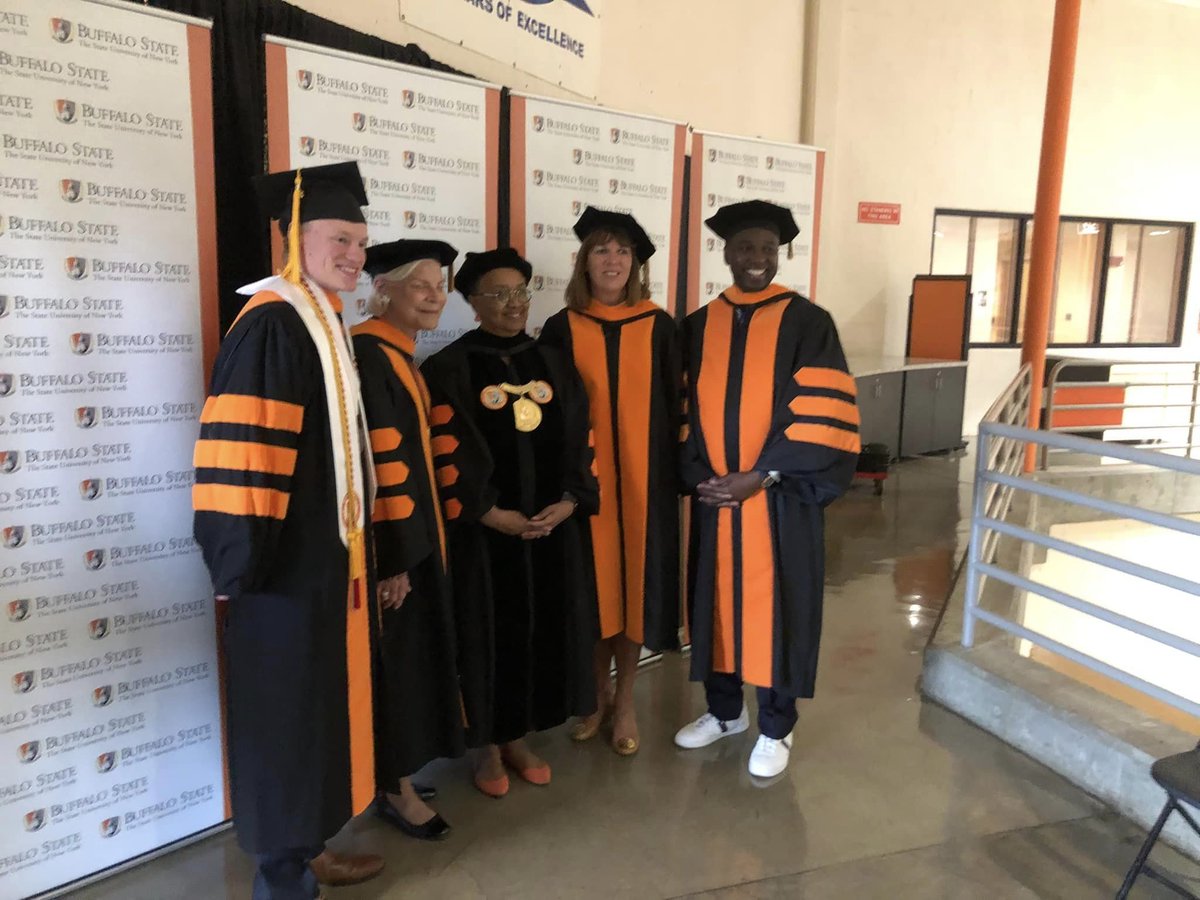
column 539, row 775
column 493, row 787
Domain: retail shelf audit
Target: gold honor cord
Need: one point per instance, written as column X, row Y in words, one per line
column 527, row 413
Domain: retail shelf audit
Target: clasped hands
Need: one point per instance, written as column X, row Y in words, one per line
column 517, row 524
column 729, row 490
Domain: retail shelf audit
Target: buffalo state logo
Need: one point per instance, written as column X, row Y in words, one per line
column 304, row 79
column 8, row 383
column 539, row 230
column 76, row 267
column 709, row 287
column 10, row 461
column 408, row 98
column 712, row 155
column 61, row 30
column 539, row 124
column 109, row 827
column 24, row 682
column 308, row 146
column 358, row 121
column 35, row 820
column 538, row 282
column 69, row 189
column 102, row 696
column 741, row 181
column 577, row 155
column 410, row 159
column 98, row 628
column 712, row 199
column 576, row 207
column 94, row 561
column 18, row 610
column 106, row 762
column 614, row 135
column 90, row 489
column 14, row 536
column 538, row 176
column 81, row 343
column 613, row 185
column 64, row 111
column 410, row 219
column 711, row 243
column 30, row 751
column 770, row 162
column 85, row 416
column 4, row 305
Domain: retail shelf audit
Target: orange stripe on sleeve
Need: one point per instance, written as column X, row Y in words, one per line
column 244, row 456
column 390, row 509
column 443, row 444
column 826, row 408
column 246, row 409
column 453, row 509
column 384, row 440
column 391, row 474
column 447, row 476
column 236, row 500
column 830, row 379
column 825, row 435
column 441, row 414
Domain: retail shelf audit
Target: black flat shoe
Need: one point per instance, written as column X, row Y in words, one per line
column 436, row 829
column 425, row 793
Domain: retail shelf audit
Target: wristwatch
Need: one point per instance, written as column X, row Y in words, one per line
column 773, row 478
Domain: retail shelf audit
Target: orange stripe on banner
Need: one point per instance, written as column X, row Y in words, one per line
column 635, row 372
column 695, row 236
column 392, row 509
column 244, row 456
column 246, row 409
column 199, row 40
column 391, row 474
column 441, row 414
column 235, row 500
column 671, row 300
column 713, row 383
column 723, row 659
column 492, row 175
column 447, row 476
column 827, row 379
column 758, row 374
column 453, row 509
column 518, row 176
column 758, row 592
column 591, row 359
column 444, row 444
column 359, row 708
column 385, row 440
column 815, row 243
column 826, row 408
column 279, row 151
column 825, row 435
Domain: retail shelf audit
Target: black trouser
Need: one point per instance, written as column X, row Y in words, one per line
column 776, row 712
column 286, row 875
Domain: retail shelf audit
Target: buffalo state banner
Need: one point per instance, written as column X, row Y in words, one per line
column 731, row 169
column 564, row 157
column 427, row 146
column 110, row 728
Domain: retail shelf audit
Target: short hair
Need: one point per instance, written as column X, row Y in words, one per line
column 579, row 288
column 377, row 303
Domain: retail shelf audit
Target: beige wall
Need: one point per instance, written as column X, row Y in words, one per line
column 687, row 60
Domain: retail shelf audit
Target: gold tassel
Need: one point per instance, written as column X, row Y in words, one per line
column 292, row 270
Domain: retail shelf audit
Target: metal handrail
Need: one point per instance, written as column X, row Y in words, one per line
column 987, row 527
column 1011, row 408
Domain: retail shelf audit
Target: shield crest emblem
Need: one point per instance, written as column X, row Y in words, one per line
column 576, row 207
column 4, row 305
column 308, row 146
column 106, row 762
column 76, row 267
column 94, row 560
column 18, row 610
column 770, row 162
column 69, row 189
column 614, row 135
column 538, row 282
column 7, row 383
column 538, row 176
column 102, row 696
column 81, row 343
column 741, row 181
column 410, row 219
column 539, row 124
column 35, row 820
column 539, row 230
column 712, row 244
column 304, row 78
column 712, row 155
column 14, row 536
column 577, row 155
column 98, row 628
column 10, row 461
column 30, row 751
column 410, row 159
column 89, row 488
column 709, row 287
column 359, row 121
column 712, row 199
column 62, row 30
column 613, row 185
column 408, row 98
column 110, row 827
column 85, row 416
column 24, row 682
column 64, row 111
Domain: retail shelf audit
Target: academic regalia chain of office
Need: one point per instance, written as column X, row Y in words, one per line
column 768, row 390
column 526, row 610
column 628, row 359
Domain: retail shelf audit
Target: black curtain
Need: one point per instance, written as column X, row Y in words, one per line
column 240, row 115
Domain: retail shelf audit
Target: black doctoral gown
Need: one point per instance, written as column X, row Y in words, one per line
column 628, row 359
column 418, row 711
column 768, row 390
column 526, row 610
column 297, row 642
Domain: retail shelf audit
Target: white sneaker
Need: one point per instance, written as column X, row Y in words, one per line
column 769, row 756
column 708, row 729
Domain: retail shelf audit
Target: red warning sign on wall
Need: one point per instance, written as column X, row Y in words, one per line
column 879, row 213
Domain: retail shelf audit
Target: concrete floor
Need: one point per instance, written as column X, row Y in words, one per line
column 886, row 796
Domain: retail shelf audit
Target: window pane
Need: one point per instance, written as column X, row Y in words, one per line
column 1073, row 313
column 951, row 236
column 1142, row 295
column 993, row 263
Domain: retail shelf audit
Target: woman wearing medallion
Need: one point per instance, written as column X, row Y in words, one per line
column 625, row 349
column 511, row 445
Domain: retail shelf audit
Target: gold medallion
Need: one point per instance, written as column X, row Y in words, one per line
column 528, row 415
column 541, row 393
column 493, row 397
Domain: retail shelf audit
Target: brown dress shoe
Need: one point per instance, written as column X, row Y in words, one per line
column 343, row 868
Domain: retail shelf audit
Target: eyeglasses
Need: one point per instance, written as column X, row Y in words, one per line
column 520, row 296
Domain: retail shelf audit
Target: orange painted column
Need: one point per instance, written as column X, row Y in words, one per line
column 1049, row 197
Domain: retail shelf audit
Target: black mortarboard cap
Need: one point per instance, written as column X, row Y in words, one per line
column 384, row 258
column 330, row 192
column 594, row 219
column 476, row 265
column 735, row 217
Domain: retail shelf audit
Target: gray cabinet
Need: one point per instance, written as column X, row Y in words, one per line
column 879, row 399
column 933, row 409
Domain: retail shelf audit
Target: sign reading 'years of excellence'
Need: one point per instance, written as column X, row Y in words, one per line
column 110, row 742
column 565, row 157
column 427, row 146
